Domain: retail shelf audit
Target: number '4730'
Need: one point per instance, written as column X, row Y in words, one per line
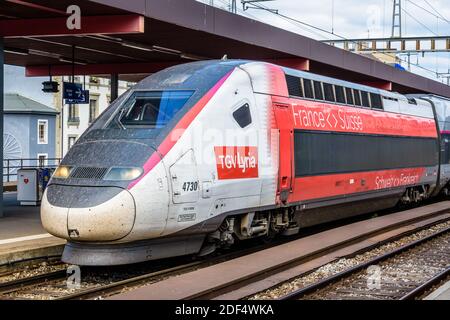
column 190, row 186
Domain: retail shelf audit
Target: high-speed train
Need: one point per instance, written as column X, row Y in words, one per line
column 204, row 154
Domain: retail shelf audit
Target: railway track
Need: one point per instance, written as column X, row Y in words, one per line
column 245, row 276
column 52, row 284
column 222, row 292
column 33, row 263
column 104, row 282
column 401, row 274
column 32, row 271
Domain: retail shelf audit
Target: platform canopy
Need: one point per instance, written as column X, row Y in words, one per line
column 143, row 36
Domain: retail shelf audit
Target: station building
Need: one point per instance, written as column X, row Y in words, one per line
column 29, row 134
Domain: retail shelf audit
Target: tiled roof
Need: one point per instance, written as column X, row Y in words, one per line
column 15, row 103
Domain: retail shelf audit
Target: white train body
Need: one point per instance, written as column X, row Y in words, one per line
column 207, row 171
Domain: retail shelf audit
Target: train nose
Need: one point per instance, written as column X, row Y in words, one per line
column 91, row 214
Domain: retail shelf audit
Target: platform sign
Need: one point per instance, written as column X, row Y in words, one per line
column 84, row 99
column 72, row 90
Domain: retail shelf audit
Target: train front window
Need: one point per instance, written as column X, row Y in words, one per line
column 150, row 109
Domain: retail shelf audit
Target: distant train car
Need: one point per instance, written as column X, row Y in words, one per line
column 203, row 154
column 441, row 107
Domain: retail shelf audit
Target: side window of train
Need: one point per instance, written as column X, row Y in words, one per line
column 376, row 102
column 318, row 91
column 329, row 93
column 243, row 116
column 340, row 97
column 294, row 85
column 349, row 96
column 307, row 84
column 365, row 99
column 357, row 97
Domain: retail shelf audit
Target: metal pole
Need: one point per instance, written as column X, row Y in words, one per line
column 114, row 86
column 397, row 19
column 62, row 117
column 233, row 6
column 2, row 61
column 409, row 61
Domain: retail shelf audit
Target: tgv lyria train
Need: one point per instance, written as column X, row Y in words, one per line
column 203, row 154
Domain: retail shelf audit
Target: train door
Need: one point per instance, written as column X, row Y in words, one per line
column 283, row 118
column 184, row 179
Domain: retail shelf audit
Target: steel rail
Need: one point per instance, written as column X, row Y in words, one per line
column 297, row 294
column 214, row 292
column 119, row 285
column 427, row 285
column 18, row 284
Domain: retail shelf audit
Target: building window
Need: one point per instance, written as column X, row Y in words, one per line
column 42, row 159
column 73, row 114
column 71, row 141
column 42, row 131
column 93, row 110
column 94, row 80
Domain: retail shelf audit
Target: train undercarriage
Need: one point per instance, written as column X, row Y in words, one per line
column 287, row 221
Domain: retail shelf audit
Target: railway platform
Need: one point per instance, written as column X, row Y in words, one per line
column 22, row 236
column 441, row 293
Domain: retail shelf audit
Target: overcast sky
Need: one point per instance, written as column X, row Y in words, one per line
column 347, row 18
column 360, row 19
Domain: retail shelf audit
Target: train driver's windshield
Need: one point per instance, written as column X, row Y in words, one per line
column 150, row 109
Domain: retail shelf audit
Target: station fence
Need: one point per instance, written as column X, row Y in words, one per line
column 10, row 166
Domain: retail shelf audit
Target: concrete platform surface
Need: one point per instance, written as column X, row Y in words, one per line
column 442, row 293
column 22, row 236
column 19, row 221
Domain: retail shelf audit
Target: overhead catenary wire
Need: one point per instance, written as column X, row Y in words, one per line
column 419, row 22
column 438, row 16
column 338, row 36
column 437, row 12
column 245, row 13
column 313, row 29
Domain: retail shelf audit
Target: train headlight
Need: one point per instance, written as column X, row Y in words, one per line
column 63, row 172
column 123, row 174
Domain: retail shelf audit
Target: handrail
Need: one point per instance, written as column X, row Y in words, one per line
column 10, row 170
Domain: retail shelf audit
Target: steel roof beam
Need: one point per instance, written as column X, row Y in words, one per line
column 98, row 69
column 383, row 85
column 90, row 25
column 294, row 63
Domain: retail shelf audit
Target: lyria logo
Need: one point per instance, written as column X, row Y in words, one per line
column 236, row 162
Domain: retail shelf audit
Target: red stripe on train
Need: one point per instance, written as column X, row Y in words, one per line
column 312, row 115
column 315, row 187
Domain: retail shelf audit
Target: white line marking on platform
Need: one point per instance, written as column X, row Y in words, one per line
column 37, row 236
